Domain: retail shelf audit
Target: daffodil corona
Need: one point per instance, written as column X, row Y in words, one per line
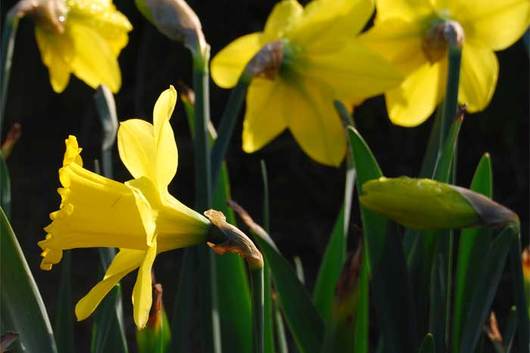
column 407, row 32
column 321, row 61
column 83, row 37
column 140, row 216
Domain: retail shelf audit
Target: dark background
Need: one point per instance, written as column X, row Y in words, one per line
column 305, row 196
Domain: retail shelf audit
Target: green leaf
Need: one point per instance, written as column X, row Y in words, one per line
column 330, row 268
column 386, row 260
column 234, row 299
column 488, row 278
column 21, row 305
column 302, row 318
column 64, row 315
column 473, row 243
column 5, row 187
column 427, row 346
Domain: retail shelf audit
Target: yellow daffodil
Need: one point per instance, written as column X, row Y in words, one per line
column 322, row 61
column 405, row 32
column 85, row 40
column 140, row 217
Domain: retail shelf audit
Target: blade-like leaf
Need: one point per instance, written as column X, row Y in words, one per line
column 5, row 187
column 302, row 318
column 386, row 260
column 473, row 243
column 64, row 315
column 21, row 305
column 486, row 286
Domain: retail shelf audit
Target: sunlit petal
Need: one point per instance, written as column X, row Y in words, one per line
column 417, row 97
column 229, row 63
column 478, row 77
column 142, row 292
column 122, row 264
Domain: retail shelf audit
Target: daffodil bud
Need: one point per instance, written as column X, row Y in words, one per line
column 439, row 36
column 156, row 335
column 429, row 204
column 176, row 20
column 50, row 14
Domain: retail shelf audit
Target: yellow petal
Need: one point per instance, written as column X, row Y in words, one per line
column 328, row 24
column 283, row 16
column 415, row 100
column 165, row 146
column 496, row 24
column 266, row 114
column 142, row 297
column 177, row 226
column 478, row 77
column 315, row 124
column 123, row 263
column 150, row 150
column 94, row 62
column 57, row 52
column 137, row 148
column 400, row 42
column 230, row 62
column 353, row 72
column 406, row 10
column 102, row 16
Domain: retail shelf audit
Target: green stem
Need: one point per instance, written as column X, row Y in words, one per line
column 203, row 188
column 256, row 279
column 228, row 122
column 8, row 47
column 203, row 193
column 449, row 113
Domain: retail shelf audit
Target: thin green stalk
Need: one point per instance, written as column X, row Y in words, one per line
column 267, row 286
column 256, row 280
column 228, row 122
column 203, row 189
column 8, row 47
column 449, row 113
column 203, row 193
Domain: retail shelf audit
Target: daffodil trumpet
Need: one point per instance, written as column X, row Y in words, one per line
column 139, row 216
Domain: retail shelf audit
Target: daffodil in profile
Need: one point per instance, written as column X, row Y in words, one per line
column 409, row 33
column 319, row 60
column 83, row 37
column 139, row 216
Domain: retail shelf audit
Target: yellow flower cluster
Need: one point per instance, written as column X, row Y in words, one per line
column 325, row 59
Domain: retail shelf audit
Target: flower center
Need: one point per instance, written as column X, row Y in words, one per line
column 439, row 36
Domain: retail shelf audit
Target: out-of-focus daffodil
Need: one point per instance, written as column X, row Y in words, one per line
column 85, row 39
column 407, row 32
column 140, row 216
column 321, row 61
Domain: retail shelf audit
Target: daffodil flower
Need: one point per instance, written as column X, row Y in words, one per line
column 405, row 32
column 85, row 40
column 139, row 216
column 322, row 61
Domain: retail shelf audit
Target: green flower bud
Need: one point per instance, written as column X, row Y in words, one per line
column 428, row 204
